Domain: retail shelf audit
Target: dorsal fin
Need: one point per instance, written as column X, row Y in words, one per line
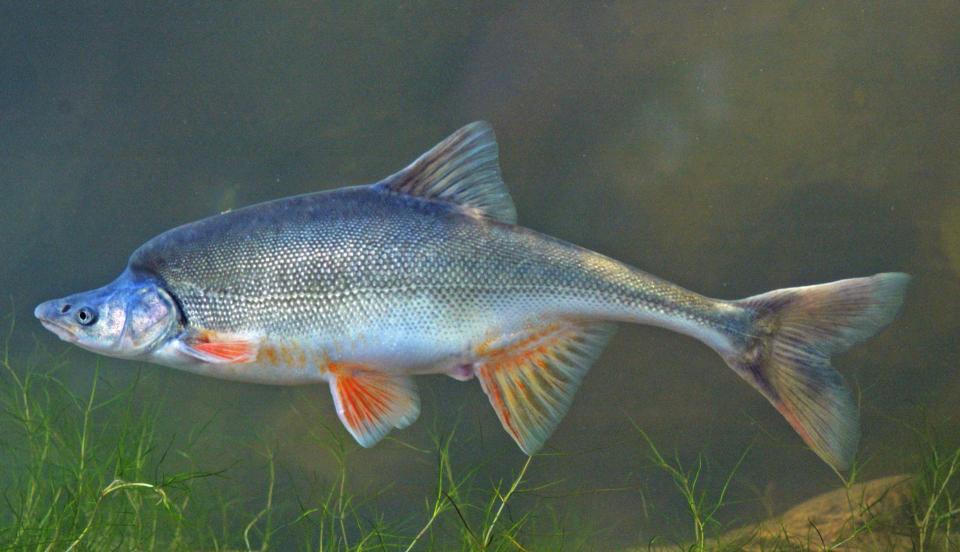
column 462, row 170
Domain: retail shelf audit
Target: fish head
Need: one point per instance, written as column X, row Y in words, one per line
column 127, row 318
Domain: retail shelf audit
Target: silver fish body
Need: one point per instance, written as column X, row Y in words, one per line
column 372, row 276
column 427, row 272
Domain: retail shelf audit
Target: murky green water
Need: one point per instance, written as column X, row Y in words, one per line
column 731, row 149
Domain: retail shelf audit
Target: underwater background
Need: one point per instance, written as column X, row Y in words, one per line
column 732, row 148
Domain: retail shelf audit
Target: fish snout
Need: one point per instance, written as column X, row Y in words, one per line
column 51, row 310
column 51, row 314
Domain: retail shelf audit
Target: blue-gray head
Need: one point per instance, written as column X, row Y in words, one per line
column 127, row 318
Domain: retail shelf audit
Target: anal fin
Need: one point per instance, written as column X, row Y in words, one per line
column 371, row 403
column 531, row 377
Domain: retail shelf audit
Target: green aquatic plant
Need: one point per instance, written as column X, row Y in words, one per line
column 919, row 510
column 935, row 500
column 87, row 466
column 93, row 470
column 484, row 516
column 857, row 516
column 73, row 480
column 702, row 506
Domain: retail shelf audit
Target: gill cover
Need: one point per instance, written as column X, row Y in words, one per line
column 151, row 314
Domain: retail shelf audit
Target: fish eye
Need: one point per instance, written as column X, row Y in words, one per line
column 85, row 316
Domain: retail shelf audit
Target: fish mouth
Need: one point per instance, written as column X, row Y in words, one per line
column 62, row 332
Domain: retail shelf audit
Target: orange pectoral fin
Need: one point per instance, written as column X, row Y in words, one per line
column 531, row 381
column 370, row 403
column 217, row 349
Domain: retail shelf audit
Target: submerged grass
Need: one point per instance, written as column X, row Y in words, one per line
column 935, row 500
column 74, row 479
column 701, row 505
column 91, row 471
column 918, row 511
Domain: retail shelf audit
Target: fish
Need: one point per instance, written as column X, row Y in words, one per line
column 427, row 272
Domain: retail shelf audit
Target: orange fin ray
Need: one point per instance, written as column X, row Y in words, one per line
column 219, row 349
column 531, row 380
column 370, row 403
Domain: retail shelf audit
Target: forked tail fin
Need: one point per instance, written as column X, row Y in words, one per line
column 786, row 351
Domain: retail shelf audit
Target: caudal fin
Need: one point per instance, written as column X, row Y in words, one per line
column 786, row 354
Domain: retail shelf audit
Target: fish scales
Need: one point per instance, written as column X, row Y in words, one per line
column 357, row 261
